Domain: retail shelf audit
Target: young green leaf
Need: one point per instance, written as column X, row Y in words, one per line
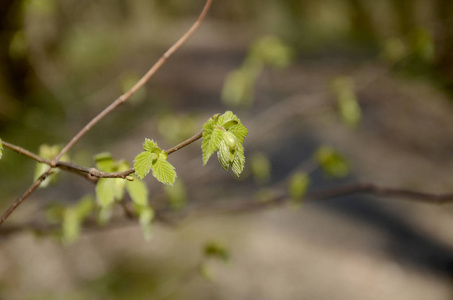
column 261, row 168
column 143, row 163
column 71, row 225
column 239, row 160
column 224, row 155
column 105, row 192
column 104, row 162
column 298, row 185
column 239, row 131
column 211, row 143
column 138, row 191
column 145, row 217
column 332, row 162
column 85, row 206
column 150, row 145
column 348, row 105
column 164, row 171
column 104, row 214
column 225, row 134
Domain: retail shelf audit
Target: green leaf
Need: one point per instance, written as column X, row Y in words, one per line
column 298, row 185
column 143, row 163
column 239, row 160
column 104, row 162
column 145, row 218
column 216, row 250
column 211, row 143
column 348, row 105
column 1, row 148
column 238, row 88
column 261, row 168
column 85, row 206
column 105, row 192
column 272, row 51
column 138, row 191
column 104, row 214
column 224, row 155
column 71, row 226
column 239, row 131
column 332, row 162
column 164, row 171
column 150, row 145
column 225, row 134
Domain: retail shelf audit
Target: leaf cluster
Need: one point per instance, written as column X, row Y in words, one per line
column 225, row 135
column 155, row 159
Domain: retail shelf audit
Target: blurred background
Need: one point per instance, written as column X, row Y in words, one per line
column 332, row 92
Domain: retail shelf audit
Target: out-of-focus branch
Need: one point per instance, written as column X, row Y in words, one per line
column 239, row 206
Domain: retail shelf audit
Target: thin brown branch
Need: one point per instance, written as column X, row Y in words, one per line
column 185, row 143
column 123, row 98
column 25, row 152
column 24, row 196
column 120, row 100
column 98, row 174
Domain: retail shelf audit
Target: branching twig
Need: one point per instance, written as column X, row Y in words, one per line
column 120, row 100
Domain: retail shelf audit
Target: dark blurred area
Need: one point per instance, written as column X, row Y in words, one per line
column 371, row 79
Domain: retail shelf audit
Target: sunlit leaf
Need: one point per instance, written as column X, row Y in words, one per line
column 224, row 155
column 71, row 226
column 238, row 88
column 261, row 167
column 239, row 160
column 85, row 206
column 138, row 191
column 216, row 250
column 298, row 185
column 143, row 163
column 150, row 145
column 104, row 214
column 211, row 143
column 272, row 51
column 348, row 105
column 105, row 192
column 332, row 162
column 104, row 162
column 164, row 171
column 145, row 218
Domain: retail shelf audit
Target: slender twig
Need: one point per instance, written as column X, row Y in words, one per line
column 27, row 193
column 123, row 98
column 25, row 152
column 99, row 174
column 120, row 100
column 185, row 143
